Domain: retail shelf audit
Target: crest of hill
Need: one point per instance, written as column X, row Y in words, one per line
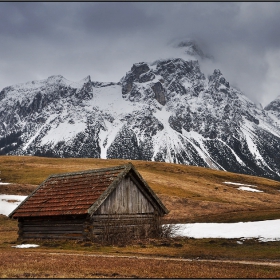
column 190, row 193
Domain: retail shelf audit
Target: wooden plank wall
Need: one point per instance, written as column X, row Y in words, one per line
column 54, row 228
column 120, row 223
column 126, row 199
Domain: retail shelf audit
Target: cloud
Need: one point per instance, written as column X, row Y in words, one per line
column 104, row 39
column 116, row 18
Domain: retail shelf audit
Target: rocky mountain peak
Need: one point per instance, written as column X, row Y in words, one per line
column 273, row 105
column 218, row 81
column 86, row 91
column 138, row 69
column 160, row 111
column 3, row 92
column 87, row 79
column 55, row 79
column 178, row 67
column 273, row 110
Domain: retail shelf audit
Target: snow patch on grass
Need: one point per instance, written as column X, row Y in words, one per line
column 244, row 187
column 262, row 230
column 239, row 184
column 248, row 189
column 8, row 203
column 26, row 246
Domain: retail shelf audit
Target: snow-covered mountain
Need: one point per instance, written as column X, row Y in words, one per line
column 162, row 111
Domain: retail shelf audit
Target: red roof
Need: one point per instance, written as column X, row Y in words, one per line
column 68, row 194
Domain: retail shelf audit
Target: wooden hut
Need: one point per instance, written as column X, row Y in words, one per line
column 90, row 204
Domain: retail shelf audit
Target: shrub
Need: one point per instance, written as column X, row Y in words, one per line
column 115, row 230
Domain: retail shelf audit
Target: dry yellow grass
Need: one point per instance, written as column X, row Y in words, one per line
column 190, row 193
column 32, row 264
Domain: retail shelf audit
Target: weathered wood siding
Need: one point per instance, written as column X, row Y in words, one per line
column 52, row 228
column 126, row 199
column 102, row 224
column 127, row 210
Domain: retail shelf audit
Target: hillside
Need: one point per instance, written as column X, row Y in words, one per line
column 192, row 194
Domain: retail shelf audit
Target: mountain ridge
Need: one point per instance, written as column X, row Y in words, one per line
column 161, row 111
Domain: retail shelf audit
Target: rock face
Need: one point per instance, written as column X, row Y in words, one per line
column 164, row 111
column 160, row 93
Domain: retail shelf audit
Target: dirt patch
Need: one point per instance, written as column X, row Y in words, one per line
column 17, row 189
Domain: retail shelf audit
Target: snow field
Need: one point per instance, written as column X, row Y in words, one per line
column 247, row 131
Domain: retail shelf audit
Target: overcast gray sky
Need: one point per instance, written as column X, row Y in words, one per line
column 104, row 39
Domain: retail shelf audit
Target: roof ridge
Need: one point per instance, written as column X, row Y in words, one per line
column 124, row 166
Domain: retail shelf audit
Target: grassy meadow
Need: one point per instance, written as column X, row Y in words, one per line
column 192, row 194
